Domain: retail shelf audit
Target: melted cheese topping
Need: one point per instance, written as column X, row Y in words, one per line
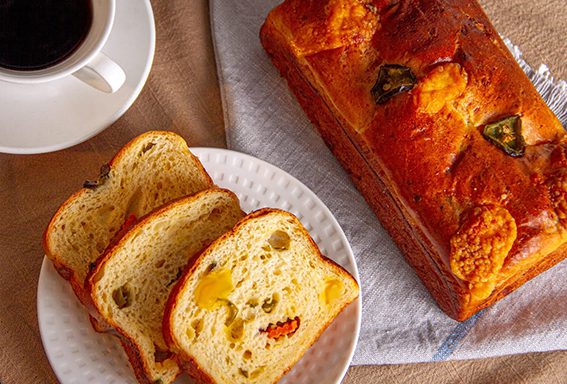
column 344, row 22
column 558, row 193
column 479, row 248
column 443, row 84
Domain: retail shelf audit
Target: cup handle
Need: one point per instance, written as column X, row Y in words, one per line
column 102, row 73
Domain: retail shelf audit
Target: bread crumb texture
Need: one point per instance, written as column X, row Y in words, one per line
column 273, row 296
column 132, row 285
column 480, row 246
column 151, row 170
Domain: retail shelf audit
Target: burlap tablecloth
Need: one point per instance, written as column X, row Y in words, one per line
column 182, row 95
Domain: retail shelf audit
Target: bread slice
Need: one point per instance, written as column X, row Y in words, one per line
column 152, row 169
column 131, row 283
column 254, row 301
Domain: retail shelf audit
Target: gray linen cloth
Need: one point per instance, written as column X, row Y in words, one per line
column 400, row 321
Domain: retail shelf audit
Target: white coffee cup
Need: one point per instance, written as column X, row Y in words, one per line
column 87, row 63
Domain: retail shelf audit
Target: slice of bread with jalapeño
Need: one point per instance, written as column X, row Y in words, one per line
column 131, row 282
column 254, row 301
column 151, row 170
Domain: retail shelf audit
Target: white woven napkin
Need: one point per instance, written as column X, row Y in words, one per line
column 400, row 321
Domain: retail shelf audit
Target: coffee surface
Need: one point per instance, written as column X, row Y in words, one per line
column 37, row 34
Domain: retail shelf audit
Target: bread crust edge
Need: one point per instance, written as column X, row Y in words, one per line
column 447, row 291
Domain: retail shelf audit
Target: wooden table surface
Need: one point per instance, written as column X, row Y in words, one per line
column 182, row 95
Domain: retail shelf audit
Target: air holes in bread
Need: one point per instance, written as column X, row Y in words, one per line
column 103, row 175
column 232, row 313
column 160, row 355
column 147, row 147
column 215, row 213
column 270, row 303
column 236, row 330
column 255, row 373
column 197, row 326
column 243, row 372
column 252, row 303
column 122, row 296
column 177, row 276
column 211, row 267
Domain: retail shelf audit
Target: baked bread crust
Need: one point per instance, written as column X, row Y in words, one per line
column 441, row 188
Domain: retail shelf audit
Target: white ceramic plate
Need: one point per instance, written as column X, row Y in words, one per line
column 79, row 355
column 36, row 118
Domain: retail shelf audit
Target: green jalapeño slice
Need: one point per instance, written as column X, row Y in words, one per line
column 506, row 134
column 393, row 79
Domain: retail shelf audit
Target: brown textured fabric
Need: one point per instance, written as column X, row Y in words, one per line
column 182, row 95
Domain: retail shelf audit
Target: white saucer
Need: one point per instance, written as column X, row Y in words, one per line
column 51, row 116
column 78, row 354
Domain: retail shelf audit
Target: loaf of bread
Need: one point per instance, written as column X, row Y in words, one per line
column 131, row 282
column 254, row 301
column 441, row 131
column 151, row 170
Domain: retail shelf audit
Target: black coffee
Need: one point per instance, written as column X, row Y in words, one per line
column 37, row 34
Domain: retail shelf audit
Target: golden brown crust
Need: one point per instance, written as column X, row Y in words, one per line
column 188, row 362
column 189, row 365
column 365, row 178
column 438, row 166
